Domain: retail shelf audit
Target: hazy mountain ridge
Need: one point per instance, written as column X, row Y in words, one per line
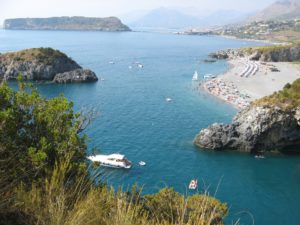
column 287, row 9
column 66, row 23
column 173, row 18
column 166, row 18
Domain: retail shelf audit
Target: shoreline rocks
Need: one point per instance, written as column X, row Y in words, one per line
column 76, row 76
column 263, row 54
column 255, row 129
column 43, row 64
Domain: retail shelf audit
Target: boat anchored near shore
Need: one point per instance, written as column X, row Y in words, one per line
column 169, row 100
column 142, row 163
column 193, row 184
column 113, row 160
column 195, row 76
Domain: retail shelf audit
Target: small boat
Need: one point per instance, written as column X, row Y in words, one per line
column 193, row 184
column 195, row 76
column 168, row 99
column 111, row 62
column 209, row 76
column 140, row 66
column 142, row 163
column 259, row 156
column 113, row 160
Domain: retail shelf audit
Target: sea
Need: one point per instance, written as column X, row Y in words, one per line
column 133, row 118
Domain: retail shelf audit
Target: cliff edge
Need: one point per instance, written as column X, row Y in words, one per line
column 277, row 53
column 268, row 124
column 43, row 64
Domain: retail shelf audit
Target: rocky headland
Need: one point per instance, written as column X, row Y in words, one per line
column 43, row 64
column 284, row 53
column 268, row 124
column 109, row 24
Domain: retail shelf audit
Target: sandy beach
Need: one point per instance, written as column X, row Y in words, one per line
column 249, row 80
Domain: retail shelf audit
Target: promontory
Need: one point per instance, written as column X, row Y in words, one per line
column 110, row 24
column 271, row 123
column 43, row 64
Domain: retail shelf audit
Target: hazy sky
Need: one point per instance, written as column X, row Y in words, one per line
column 102, row 8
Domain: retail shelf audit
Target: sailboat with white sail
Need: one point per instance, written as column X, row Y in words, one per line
column 195, row 76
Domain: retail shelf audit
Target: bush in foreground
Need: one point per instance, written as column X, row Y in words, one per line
column 44, row 179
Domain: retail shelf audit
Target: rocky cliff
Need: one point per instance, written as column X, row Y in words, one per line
column 75, row 76
column 66, row 23
column 270, row 124
column 266, row 54
column 42, row 64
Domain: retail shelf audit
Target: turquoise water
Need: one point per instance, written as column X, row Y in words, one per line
column 136, row 120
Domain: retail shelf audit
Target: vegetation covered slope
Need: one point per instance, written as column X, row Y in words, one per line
column 66, row 23
column 45, row 64
column 287, row 98
column 44, row 177
column 273, row 30
column 274, row 53
column 42, row 55
column 269, row 124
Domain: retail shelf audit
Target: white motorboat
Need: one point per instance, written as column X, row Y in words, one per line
column 193, row 184
column 142, row 163
column 259, row 156
column 209, row 76
column 113, row 160
column 195, row 76
column 168, row 99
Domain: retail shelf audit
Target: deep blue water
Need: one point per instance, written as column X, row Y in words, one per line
column 136, row 120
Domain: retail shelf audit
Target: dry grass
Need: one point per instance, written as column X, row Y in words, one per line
column 43, row 55
column 266, row 49
column 65, row 193
column 288, row 98
column 287, row 36
column 82, row 203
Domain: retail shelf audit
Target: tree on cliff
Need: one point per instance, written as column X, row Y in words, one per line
column 35, row 134
column 44, row 179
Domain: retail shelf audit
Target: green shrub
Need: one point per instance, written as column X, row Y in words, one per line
column 44, row 179
column 288, row 98
column 42, row 55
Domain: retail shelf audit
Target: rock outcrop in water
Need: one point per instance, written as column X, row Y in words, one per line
column 43, row 64
column 270, row 124
column 75, row 76
column 255, row 129
column 111, row 24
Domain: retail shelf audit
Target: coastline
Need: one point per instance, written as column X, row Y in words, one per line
column 239, row 88
column 269, row 42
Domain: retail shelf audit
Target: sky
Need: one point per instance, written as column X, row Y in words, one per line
column 103, row 8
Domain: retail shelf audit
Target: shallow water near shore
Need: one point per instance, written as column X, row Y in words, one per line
column 136, row 120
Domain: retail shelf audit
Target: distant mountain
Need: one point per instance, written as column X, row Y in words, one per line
column 165, row 18
column 287, row 9
column 66, row 23
column 172, row 18
column 223, row 17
